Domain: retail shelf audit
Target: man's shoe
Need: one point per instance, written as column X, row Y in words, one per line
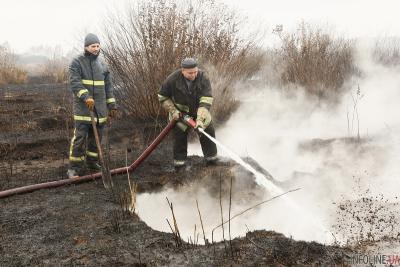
column 212, row 161
column 179, row 165
column 93, row 166
column 72, row 173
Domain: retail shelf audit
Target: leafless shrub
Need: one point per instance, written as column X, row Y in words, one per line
column 224, row 81
column 386, row 51
column 272, row 68
column 148, row 42
column 316, row 60
column 201, row 223
column 351, row 128
column 55, row 70
column 174, row 230
column 10, row 73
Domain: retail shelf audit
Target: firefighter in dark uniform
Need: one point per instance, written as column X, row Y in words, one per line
column 90, row 82
column 188, row 90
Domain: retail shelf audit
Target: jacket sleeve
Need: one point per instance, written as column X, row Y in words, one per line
column 205, row 97
column 110, row 98
column 75, row 77
column 165, row 91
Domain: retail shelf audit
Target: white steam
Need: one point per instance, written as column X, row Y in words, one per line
column 303, row 144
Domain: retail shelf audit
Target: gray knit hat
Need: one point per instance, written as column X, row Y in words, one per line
column 189, row 63
column 91, row 39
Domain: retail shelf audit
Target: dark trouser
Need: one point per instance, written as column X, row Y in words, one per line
column 180, row 143
column 83, row 145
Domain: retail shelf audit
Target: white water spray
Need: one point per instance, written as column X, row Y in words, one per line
column 260, row 178
column 272, row 188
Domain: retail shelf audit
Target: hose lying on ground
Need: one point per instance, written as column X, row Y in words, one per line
column 93, row 176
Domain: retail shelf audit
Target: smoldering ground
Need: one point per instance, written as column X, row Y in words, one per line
column 338, row 154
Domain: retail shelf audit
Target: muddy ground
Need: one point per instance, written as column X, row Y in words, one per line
column 85, row 225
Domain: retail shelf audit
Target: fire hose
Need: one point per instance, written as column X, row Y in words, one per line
column 90, row 177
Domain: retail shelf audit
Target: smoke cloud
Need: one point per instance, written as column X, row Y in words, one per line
column 334, row 153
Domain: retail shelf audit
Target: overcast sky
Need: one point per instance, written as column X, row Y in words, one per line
column 27, row 23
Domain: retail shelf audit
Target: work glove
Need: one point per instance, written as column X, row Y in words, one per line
column 113, row 113
column 203, row 118
column 174, row 113
column 90, row 103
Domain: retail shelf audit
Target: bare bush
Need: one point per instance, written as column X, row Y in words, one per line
column 387, row 51
column 55, row 70
column 10, row 73
column 148, row 43
column 316, row 60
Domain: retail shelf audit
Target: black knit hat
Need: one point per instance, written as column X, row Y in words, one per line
column 91, row 39
column 189, row 63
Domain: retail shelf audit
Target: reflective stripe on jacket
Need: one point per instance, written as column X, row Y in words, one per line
column 89, row 77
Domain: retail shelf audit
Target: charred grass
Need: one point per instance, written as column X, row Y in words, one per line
column 87, row 225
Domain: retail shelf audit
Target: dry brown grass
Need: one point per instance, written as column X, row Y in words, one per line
column 10, row 73
column 148, row 42
column 316, row 60
column 55, row 70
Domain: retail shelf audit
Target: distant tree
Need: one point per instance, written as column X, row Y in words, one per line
column 10, row 73
column 55, row 69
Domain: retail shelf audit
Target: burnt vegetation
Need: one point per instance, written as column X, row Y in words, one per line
column 85, row 225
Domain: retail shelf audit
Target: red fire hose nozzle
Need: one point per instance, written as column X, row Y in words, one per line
column 189, row 121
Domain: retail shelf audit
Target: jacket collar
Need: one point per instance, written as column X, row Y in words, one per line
column 181, row 83
column 90, row 55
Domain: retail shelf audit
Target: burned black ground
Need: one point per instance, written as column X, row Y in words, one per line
column 85, row 225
